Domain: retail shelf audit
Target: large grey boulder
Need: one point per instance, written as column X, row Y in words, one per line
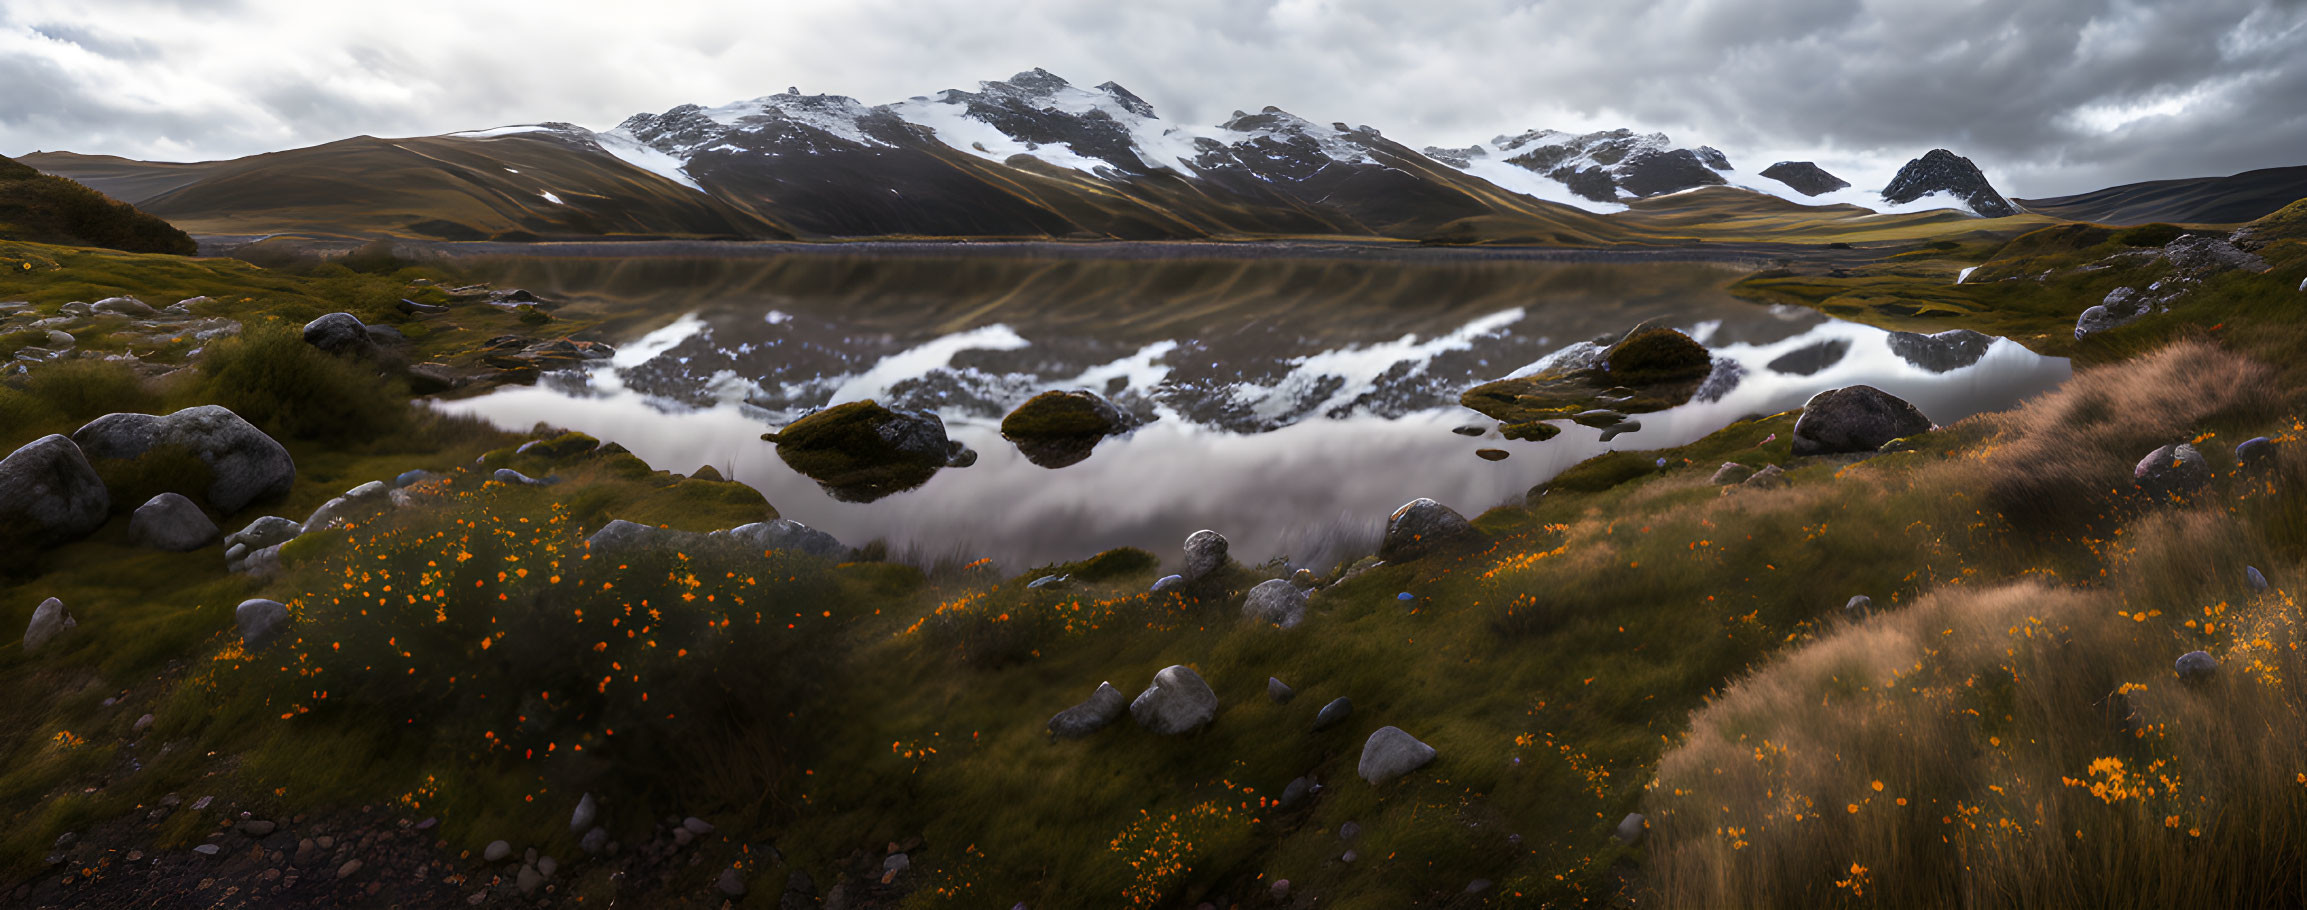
column 48, row 621
column 49, row 494
column 620, row 535
column 260, row 621
column 2119, row 308
column 171, row 522
column 2171, row 470
column 244, row 465
column 341, row 334
column 1390, row 753
column 1859, row 418
column 361, row 502
column 786, row 534
column 1205, row 552
column 2199, row 256
column 1177, row 701
column 1422, row 526
column 1276, row 601
column 1103, row 707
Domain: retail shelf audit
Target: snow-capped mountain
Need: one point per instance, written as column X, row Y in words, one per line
column 1030, row 156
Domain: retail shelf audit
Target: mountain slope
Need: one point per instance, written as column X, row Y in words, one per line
column 2201, row 200
column 40, row 208
column 543, row 184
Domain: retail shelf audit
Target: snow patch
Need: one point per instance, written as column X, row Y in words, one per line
column 1360, row 367
column 632, row 151
column 549, row 197
column 1965, row 274
column 834, row 114
column 922, row 358
column 494, row 132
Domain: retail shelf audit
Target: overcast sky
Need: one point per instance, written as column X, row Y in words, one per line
column 2049, row 96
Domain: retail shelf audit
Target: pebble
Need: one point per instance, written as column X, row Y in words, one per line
column 347, row 870
column 1350, row 856
column 1280, row 889
column 2258, row 581
column 697, row 825
column 1279, row 691
column 1334, row 713
column 732, row 882
column 207, row 849
column 1349, row 831
column 2196, row 666
column 496, row 852
column 142, row 724
column 257, row 827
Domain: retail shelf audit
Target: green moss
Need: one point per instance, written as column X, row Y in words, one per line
column 2149, row 234
column 1055, row 414
column 1530, row 431
column 842, row 448
column 1656, row 354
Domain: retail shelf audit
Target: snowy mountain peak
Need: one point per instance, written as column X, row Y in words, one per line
column 807, row 123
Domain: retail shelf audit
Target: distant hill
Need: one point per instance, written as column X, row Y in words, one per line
column 2200, row 200
column 44, row 209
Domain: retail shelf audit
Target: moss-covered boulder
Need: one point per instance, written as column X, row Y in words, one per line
column 1652, row 368
column 862, row 451
column 1055, row 429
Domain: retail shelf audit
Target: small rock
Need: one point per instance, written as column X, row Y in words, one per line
column 2171, row 470
column 142, row 724
column 1167, row 582
column 1275, row 601
column 1103, row 707
column 2197, row 666
column 1491, row 454
column 1280, row 889
column 171, row 522
column 1390, row 753
column 511, row 477
column 1731, row 472
column 1349, row 856
column 1858, row 607
column 594, row 842
column 1350, row 830
column 1334, row 713
column 1176, row 702
column 1205, row 552
column 2255, row 578
column 341, row 334
column 269, row 531
column 895, row 863
column 2255, row 453
column 1423, row 526
column 257, row 827
column 1298, row 791
column 682, row 837
column 587, row 812
column 1478, row 886
column 1770, row 477
column 528, row 880
column 697, row 825
column 732, row 882
column 546, row 866
column 1631, row 828
column 124, row 306
column 1279, row 691
column 260, row 621
column 207, row 849
column 48, row 621
column 1469, row 430
column 408, row 478
column 347, row 870
column 496, row 852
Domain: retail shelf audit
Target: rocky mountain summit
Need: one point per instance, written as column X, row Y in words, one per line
column 1805, row 177
column 1942, row 171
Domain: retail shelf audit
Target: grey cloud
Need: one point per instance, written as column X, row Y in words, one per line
column 2003, row 83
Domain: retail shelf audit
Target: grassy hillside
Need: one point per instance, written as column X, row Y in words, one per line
column 1632, row 639
column 2202, row 200
column 39, row 208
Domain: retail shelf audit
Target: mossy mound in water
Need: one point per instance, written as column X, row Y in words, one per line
column 1055, row 429
column 862, row 451
column 1651, row 369
column 1652, row 354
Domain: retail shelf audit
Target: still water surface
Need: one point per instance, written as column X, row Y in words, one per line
column 1290, row 405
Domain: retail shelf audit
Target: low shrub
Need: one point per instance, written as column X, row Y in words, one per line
column 271, row 378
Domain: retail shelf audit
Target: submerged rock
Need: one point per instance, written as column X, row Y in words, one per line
column 1390, row 753
column 1275, row 601
column 862, row 451
column 1103, row 707
column 1423, row 526
column 1055, row 429
column 1178, row 701
column 1651, row 369
column 243, row 464
column 49, row 494
column 171, row 522
column 1859, row 418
